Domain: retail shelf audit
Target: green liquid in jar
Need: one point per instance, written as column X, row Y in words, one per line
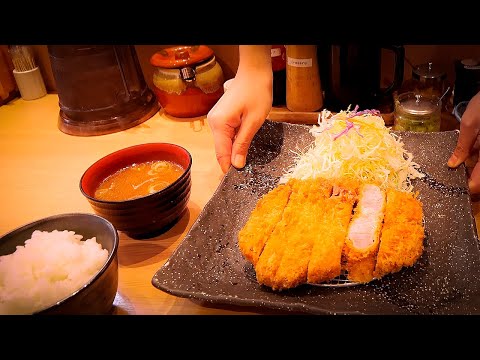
column 418, row 123
column 415, row 112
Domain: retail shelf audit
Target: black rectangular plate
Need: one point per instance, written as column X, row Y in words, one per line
column 207, row 265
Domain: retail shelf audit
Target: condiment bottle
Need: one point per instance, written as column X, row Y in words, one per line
column 279, row 68
column 304, row 89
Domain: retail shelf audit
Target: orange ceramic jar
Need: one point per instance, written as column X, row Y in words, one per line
column 187, row 80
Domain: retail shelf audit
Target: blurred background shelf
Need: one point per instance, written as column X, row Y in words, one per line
column 282, row 114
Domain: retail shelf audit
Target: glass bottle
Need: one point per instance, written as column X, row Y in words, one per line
column 304, row 90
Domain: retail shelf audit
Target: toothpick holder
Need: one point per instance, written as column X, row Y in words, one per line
column 30, row 83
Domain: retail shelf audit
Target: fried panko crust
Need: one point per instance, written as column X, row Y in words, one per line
column 326, row 255
column 298, row 233
column 401, row 241
column 308, row 207
column 271, row 256
column 263, row 219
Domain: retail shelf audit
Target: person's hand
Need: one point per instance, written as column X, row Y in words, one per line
column 468, row 144
column 235, row 119
column 241, row 111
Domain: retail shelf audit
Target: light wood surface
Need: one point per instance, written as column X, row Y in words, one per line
column 40, row 173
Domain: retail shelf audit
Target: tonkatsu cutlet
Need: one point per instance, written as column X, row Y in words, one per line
column 271, row 256
column 401, row 240
column 363, row 235
column 308, row 231
column 263, row 219
column 325, row 258
column 306, row 228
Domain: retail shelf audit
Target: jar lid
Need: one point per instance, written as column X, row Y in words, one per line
column 470, row 62
column 428, row 71
column 180, row 56
column 419, row 105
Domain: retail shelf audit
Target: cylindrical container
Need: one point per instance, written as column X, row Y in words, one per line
column 304, row 89
column 416, row 112
column 187, row 80
column 101, row 89
column 279, row 68
column 430, row 79
column 30, row 83
column 467, row 79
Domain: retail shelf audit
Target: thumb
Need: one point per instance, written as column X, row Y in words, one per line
column 465, row 142
column 242, row 142
column 469, row 131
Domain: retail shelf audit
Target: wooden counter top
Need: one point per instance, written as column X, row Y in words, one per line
column 41, row 170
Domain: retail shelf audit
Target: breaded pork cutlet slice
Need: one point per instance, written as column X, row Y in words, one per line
column 304, row 227
column 402, row 236
column 288, row 226
column 326, row 255
column 363, row 236
column 261, row 222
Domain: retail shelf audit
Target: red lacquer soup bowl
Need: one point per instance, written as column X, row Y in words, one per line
column 148, row 214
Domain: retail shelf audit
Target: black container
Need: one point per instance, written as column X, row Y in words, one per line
column 351, row 75
column 101, row 88
column 467, row 80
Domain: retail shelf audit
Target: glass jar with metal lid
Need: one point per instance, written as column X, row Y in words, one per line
column 431, row 79
column 427, row 79
column 187, row 80
column 417, row 112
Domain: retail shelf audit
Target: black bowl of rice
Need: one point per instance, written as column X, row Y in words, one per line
column 62, row 264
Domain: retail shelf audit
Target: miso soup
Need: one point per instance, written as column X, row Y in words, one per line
column 139, row 179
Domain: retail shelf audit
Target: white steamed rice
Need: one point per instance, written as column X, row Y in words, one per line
column 48, row 268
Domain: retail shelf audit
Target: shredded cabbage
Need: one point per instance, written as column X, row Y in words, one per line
column 356, row 145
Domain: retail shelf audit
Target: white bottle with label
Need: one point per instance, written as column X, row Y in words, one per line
column 304, row 90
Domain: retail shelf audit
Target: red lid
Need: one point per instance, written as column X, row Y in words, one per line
column 180, row 56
